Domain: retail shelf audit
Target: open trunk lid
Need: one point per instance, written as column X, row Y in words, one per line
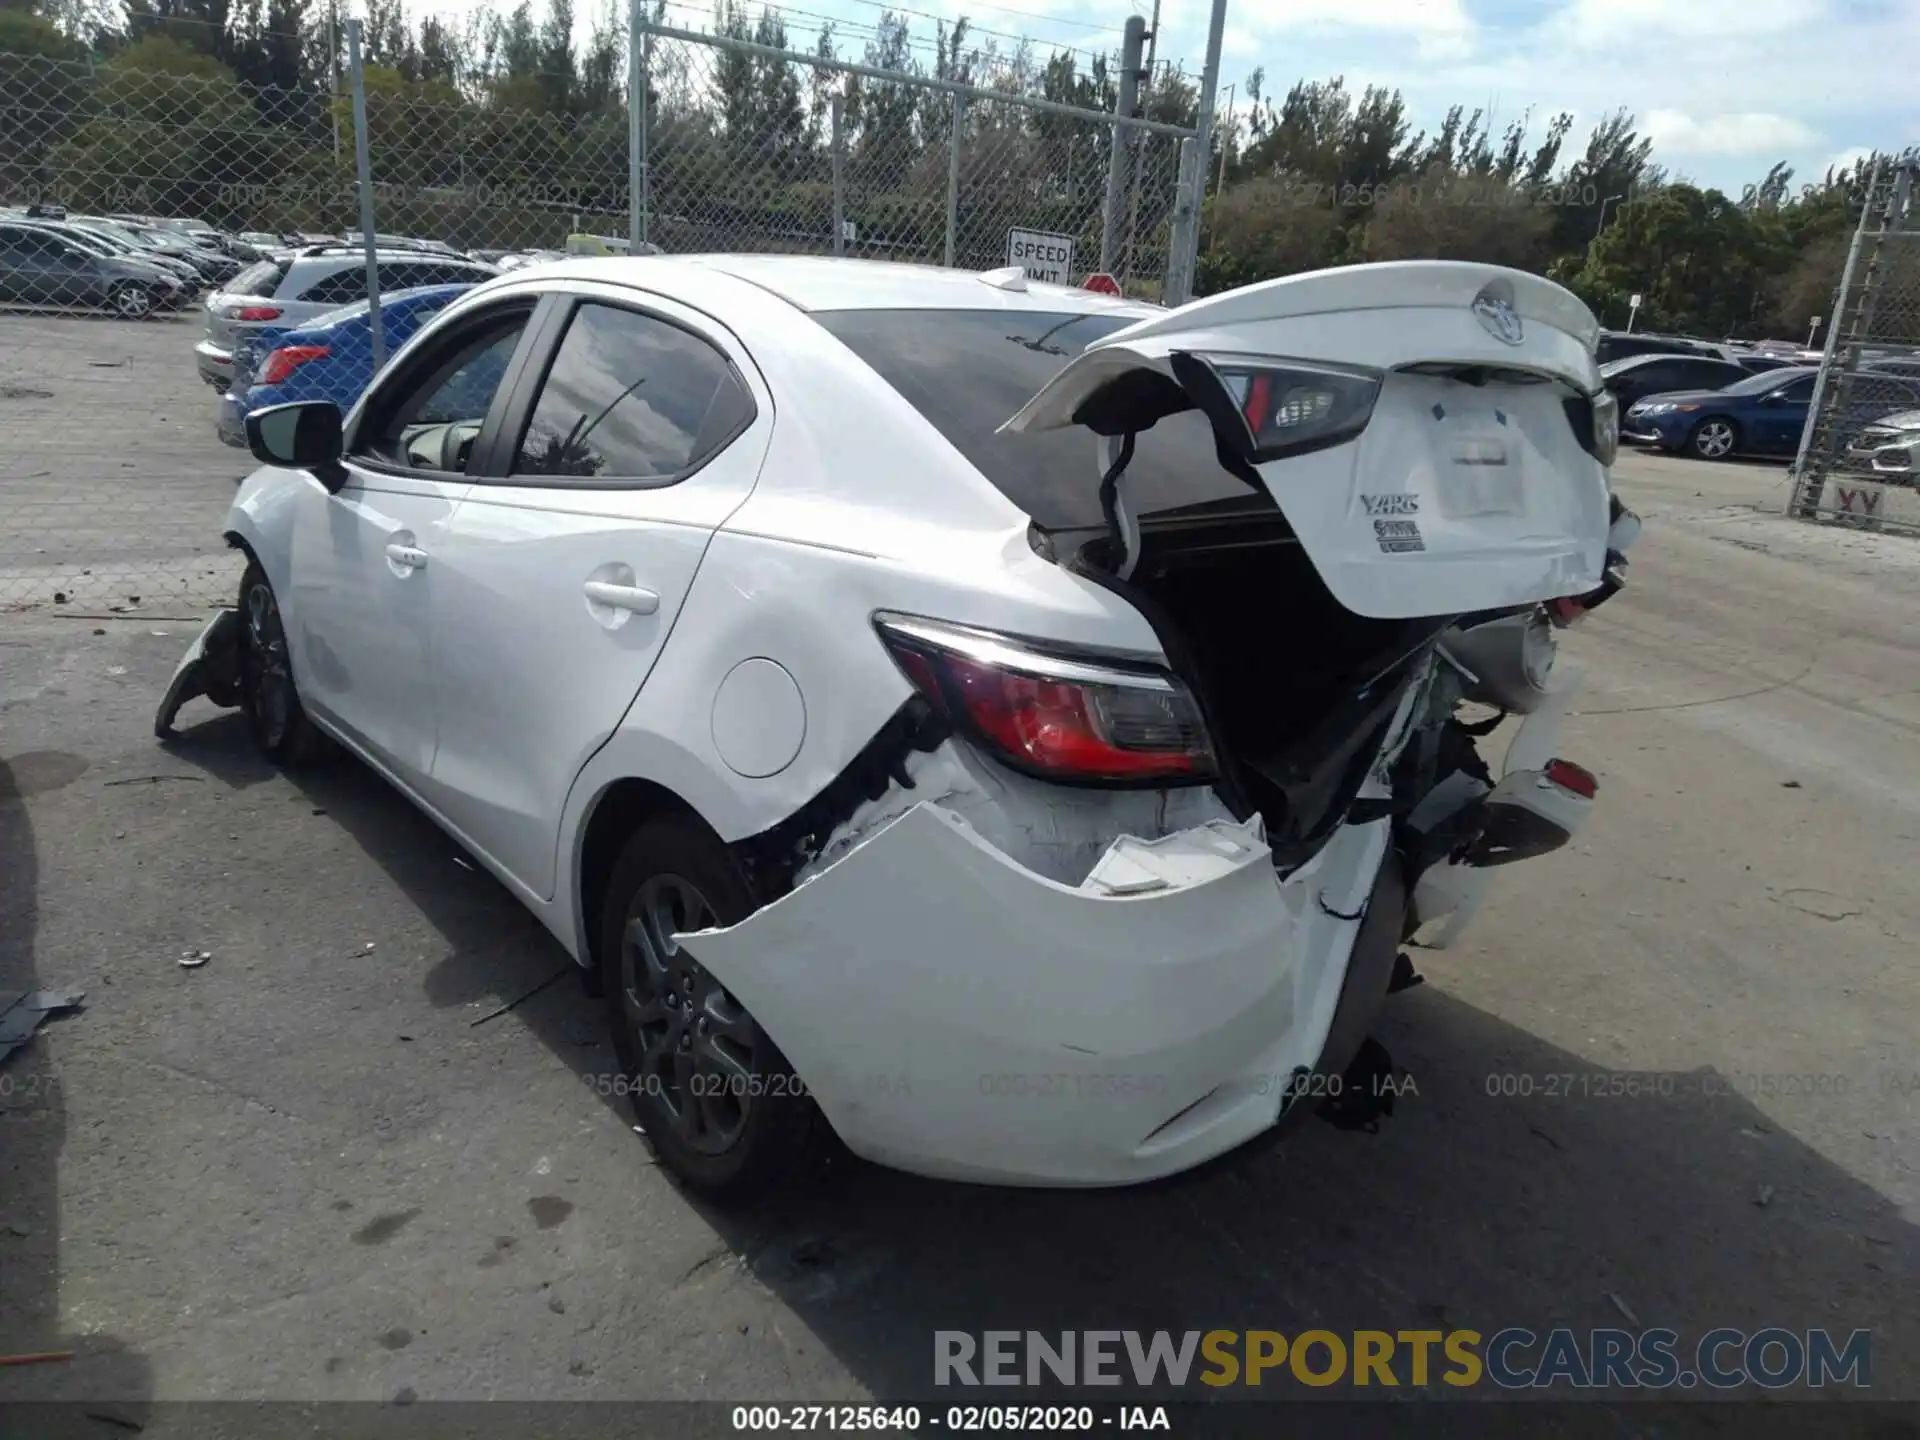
column 1435, row 432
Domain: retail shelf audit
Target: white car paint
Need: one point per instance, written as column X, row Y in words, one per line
column 453, row 634
column 1056, row 1030
column 1509, row 508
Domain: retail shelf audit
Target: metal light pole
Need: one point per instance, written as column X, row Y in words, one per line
column 1226, row 140
column 1603, row 219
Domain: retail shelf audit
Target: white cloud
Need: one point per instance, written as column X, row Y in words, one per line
column 1237, row 43
column 1843, row 159
column 1623, row 27
column 1750, row 132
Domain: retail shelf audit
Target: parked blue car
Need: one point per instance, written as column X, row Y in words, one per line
column 1760, row 415
column 328, row 358
column 1763, row 414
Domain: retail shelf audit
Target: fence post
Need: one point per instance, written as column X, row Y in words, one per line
column 1806, row 496
column 839, row 179
column 1184, row 239
column 1113, row 213
column 1194, row 166
column 357, row 77
column 953, row 174
column 637, row 42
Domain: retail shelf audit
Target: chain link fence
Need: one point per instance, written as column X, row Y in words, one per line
column 1859, row 456
column 167, row 228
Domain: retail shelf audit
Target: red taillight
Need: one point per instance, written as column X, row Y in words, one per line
column 1061, row 718
column 288, row 358
column 1259, row 401
column 1569, row 776
column 257, row 312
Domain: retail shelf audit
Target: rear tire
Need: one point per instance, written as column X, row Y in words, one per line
column 131, row 301
column 268, row 697
column 718, row 1102
column 1714, row 438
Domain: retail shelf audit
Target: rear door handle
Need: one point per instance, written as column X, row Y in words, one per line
column 622, row 597
column 411, row 556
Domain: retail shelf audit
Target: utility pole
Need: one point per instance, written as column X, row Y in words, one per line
column 1113, row 216
column 1140, row 140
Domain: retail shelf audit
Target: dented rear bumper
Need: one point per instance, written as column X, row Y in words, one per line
column 956, row 1014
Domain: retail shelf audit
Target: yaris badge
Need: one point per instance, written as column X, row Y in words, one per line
column 1493, row 306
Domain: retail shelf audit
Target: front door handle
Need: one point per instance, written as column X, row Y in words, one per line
column 622, row 597
column 410, row 556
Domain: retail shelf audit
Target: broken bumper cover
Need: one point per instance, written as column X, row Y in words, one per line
column 955, row 1014
column 211, row 667
column 1447, row 896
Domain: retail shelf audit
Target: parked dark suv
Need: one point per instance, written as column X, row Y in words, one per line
column 38, row 267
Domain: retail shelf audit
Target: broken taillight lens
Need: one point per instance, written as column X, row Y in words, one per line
column 1569, row 776
column 1068, row 718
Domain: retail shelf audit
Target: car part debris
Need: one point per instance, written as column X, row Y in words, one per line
column 1405, row 977
column 22, row 1012
column 44, row 1357
column 194, row 959
column 211, row 667
column 1366, row 1093
column 1133, row 866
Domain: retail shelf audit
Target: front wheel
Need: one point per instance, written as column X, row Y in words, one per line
column 1713, row 439
column 268, row 696
column 131, row 301
column 719, row 1104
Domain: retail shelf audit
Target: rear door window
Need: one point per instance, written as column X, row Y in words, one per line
column 261, row 279
column 631, row 397
column 969, row 371
column 342, row 287
column 1706, row 374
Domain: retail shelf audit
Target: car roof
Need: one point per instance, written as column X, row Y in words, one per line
column 812, row 282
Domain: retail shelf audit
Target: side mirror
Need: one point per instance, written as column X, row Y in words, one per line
column 302, row 436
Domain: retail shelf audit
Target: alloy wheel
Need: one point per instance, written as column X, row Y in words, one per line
column 1715, row 438
column 268, row 677
column 132, row 302
column 696, row 1044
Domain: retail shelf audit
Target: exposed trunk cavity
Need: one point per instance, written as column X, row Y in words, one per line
column 1300, row 692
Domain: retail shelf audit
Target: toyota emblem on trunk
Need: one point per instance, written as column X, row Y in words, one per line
column 1494, row 308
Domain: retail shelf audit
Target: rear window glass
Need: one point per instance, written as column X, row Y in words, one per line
column 968, row 371
column 261, row 278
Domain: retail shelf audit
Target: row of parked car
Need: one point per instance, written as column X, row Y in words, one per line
column 1716, row 400
column 125, row 264
column 298, row 323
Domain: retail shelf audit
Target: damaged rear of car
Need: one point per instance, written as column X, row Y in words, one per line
column 1103, row 915
column 1014, row 728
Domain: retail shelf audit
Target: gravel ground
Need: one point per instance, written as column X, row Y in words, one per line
column 320, row 1166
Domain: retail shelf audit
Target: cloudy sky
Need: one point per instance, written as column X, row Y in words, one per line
column 1724, row 87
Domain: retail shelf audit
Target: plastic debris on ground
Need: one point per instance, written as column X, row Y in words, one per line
column 22, row 1011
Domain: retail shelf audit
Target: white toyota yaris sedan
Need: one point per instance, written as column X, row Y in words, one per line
column 1011, row 726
